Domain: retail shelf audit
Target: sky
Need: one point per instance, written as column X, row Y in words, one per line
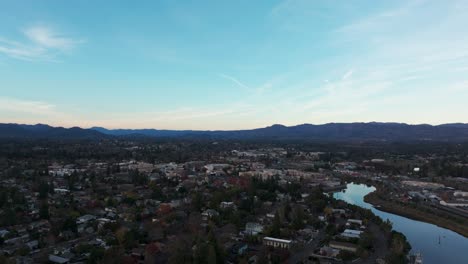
column 224, row 65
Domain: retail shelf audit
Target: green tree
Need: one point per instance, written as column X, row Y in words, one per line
column 70, row 224
column 201, row 251
column 346, row 256
column 180, row 251
column 43, row 190
column 44, row 210
column 275, row 230
column 298, row 218
column 96, row 254
column 9, row 217
column 211, row 258
column 366, row 240
column 214, row 243
column 51, row 187
column 197, row 201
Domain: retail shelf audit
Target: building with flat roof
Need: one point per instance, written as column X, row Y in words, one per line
column 355, row 221
column 350, row 233
column 277, row 242
column 344, row 246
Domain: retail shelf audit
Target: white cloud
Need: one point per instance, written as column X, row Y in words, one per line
column 26, row 106
column 46, row 37
column 19, row 51
column 44, row 44
column 384, row 88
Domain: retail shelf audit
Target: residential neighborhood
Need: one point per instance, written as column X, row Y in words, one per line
column 263, row 205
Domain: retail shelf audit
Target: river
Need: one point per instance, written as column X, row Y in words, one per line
column 423, row 237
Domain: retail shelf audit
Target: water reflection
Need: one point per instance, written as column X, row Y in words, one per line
column 423, row 237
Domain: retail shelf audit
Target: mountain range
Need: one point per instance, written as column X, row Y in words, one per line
column 372, row 131
column 19, row 131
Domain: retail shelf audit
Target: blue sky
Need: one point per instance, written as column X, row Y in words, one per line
column 232, row 64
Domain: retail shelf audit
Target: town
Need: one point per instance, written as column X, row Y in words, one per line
column 124, row 201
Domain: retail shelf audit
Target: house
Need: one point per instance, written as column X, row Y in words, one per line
column 216, row 167
column 227, row 205
column 338, row 211
column 138, row 253
column 58, row 260
column 253, row 229
column 460, row 194
column 34, row 244
column 3, row 233
column 270, row 215
column 416, row 195
column 277, row 242
column 239, row 249
column 16, row 240
column 253, row 260
column 208, row 214
column 61, row 191
column 308, row 232
column 176, row 203
column 329, row 252
column 85, row 219
column 42, row 225
column 454, row 204
column 164, row 209
column 343, row 246
column 355, row 221
column 350, row 233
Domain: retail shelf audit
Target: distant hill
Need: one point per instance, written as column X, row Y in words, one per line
column 17, row 131
column 331, row 132
column 328, row 132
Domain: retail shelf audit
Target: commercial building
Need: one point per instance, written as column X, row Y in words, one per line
column 277, row 242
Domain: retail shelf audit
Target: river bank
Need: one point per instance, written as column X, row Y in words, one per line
column 415, row 214
column 437, row 244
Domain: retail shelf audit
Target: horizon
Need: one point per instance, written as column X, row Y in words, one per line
column 241, row 129
column 220, row 65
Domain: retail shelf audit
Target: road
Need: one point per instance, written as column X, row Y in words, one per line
column 380, row 245
column 380, row 248
column 303, row 254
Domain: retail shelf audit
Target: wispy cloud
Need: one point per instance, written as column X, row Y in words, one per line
column 381, row 20
column 234, row 80
column 8, row 104
column 43, row 43
column 201, row 118
column 46, row 37
column 347, row 74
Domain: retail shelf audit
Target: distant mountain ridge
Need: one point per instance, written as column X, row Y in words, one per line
column 19, row 131
column 329, row 132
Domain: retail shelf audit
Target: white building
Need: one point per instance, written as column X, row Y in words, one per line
column 350, row 233
column 277, row 242
column 355, row 221
column 252, row 228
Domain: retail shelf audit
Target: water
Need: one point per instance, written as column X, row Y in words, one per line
column 423, row 237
